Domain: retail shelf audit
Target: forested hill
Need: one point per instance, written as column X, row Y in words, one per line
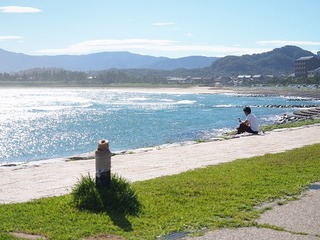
column 276, row 62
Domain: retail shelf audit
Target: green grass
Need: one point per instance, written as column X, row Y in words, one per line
column 290, row 124
column 119, row 198
column 224, row 195
column 268, row 128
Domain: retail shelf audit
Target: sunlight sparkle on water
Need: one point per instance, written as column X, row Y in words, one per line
column 39, row 124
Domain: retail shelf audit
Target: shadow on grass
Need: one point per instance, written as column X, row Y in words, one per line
column 315, row 186
column 118, row 201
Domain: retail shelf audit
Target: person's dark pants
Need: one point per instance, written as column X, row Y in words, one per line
column 245, row 128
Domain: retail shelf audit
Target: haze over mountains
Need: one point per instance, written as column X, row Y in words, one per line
column 278, row 61
column 14, row 62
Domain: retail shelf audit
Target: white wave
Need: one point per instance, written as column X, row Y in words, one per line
column 137, row 99
column 186, row 102
column 49, row 108
column 225, row 106
column 273, row 118
column 58, row 107
column 216, row 133
column 85, row 105
column 293, row 98
column 165, row 100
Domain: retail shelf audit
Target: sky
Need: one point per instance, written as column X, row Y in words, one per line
column 168, row 28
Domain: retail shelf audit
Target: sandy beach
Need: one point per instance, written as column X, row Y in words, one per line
column 268, row 91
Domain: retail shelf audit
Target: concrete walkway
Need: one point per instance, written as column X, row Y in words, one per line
column 299, row 220
column 36, row 180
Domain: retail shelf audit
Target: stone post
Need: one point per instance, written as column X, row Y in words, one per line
column 103, row 165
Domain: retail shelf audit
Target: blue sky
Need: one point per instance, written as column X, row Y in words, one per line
column 169, row 28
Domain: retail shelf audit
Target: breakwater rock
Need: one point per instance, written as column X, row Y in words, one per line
column 309, row 113
column 287, row 106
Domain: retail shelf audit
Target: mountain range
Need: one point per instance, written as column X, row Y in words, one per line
column 14, row 62
column 279, row 61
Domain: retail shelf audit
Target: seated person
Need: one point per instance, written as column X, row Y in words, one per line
column 250, row 125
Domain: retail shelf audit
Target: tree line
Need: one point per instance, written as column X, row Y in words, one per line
column 61, row 76
column 38, row 77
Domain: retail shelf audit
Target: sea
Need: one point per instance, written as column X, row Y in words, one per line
column 48, row 123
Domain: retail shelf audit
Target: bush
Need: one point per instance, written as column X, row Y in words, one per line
column 119, row 198
column 86, row 195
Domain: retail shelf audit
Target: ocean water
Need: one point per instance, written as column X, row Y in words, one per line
column 39, row 124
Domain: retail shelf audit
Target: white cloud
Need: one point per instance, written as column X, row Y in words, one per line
column 151, row 47
column 4, row 38
column 283, row 43
column 19, row 9
column 110, row 45
column 163, row 23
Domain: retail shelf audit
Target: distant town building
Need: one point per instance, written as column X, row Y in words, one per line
column 223, row 80
column 314, row 73
column 244, row 77
column 179, row 80
column 189, row 80
column 257, row 77
column 305, row 64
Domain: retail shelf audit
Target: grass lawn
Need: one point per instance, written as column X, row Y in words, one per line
column 268, row 128
column 219, row 196
column 290, row 124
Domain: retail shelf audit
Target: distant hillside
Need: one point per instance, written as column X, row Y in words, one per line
column 278, row 61
column 14, row 62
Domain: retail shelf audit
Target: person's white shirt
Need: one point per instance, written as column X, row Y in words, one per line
column 254, row 124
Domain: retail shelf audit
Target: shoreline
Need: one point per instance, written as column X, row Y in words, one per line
column 90, row 155
column 175, row 90
column 267, row 91
column 192, row 89
column 21, row 184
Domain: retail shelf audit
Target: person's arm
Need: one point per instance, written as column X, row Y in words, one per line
column 246, row 122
